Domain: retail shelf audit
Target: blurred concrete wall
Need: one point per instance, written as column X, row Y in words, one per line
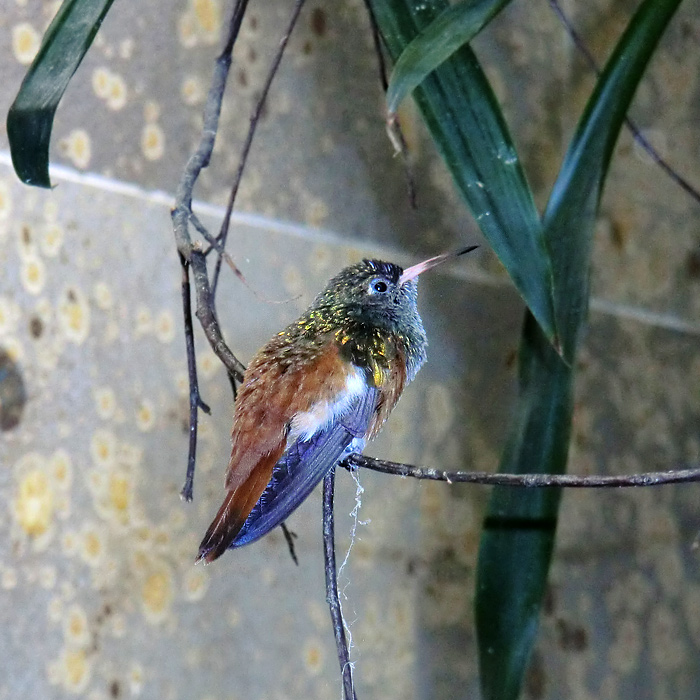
column 98, row 595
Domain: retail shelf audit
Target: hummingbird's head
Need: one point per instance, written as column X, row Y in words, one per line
column 370, row 291
column 378, row 293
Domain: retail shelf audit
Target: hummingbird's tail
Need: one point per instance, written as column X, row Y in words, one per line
column 233, row 514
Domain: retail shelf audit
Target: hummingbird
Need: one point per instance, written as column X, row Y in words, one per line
column 316, row 392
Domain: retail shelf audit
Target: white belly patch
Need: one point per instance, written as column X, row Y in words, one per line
column 322, row 413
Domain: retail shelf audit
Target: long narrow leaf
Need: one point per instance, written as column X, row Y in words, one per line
column 30, row 119
column 569, row 219
column 518, row 537
column 468, row 127
column 453, row 28
column 519, row 531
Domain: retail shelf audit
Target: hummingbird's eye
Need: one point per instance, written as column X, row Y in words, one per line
column 378, row 287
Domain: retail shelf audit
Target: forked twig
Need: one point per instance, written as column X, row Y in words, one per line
column 332, row 596
column 190, row 253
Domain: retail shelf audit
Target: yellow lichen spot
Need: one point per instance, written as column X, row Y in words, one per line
column 92, row 548
column 161, row 537
column 136, row 679
column 117, row 94
column 75, row 627
column 103, row 296
column 120, row 494
column 9, row 314
column 103, row 448
column 34, row 503
column 14, row 349
column 208, row 16
column 76, row 670
column 61, row 469
column 144, row 321
column 105, row 402
column 182, row 384
column 5, row 201
column 165, row 326
column 33, row 274
column 195, row 584
column 157, row 594
column 152, row 142
column 191, row 91
column 69, row 543
column 186, row 30
column 74, row 315
column 76, row 146
column 8, row 580
column 51, row 240
column 208, row 364
column 313, row 657
column 25, row 42
column 145, row 416
column 101, row 78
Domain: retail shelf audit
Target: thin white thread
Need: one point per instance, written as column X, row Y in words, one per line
column 354, row 514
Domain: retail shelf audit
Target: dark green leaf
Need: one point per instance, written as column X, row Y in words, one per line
column 453, row 28
column 569, row 219
column 519, row 531
column 516, row 545
column 470, row 132
column 30, row 118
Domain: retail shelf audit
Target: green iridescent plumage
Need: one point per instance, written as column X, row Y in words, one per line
column 365, row 323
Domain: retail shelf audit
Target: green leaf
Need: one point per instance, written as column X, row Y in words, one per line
column 30, row 119
column 469, row 130
column 453, row 28
column 569, row 219
column 518, row 538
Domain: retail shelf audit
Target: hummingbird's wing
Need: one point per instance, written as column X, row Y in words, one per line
column 304, row 464
column 277, row 407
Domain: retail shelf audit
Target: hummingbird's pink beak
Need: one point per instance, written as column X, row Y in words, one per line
column 415, row 270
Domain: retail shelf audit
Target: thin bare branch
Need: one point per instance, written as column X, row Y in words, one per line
column 254, row 119
column 195, row 399
column 201, row 157
column 207, row 317
column 631, row 125
column 190, row 253
column 332, row 587
column 394, row 130
column 524, row 480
